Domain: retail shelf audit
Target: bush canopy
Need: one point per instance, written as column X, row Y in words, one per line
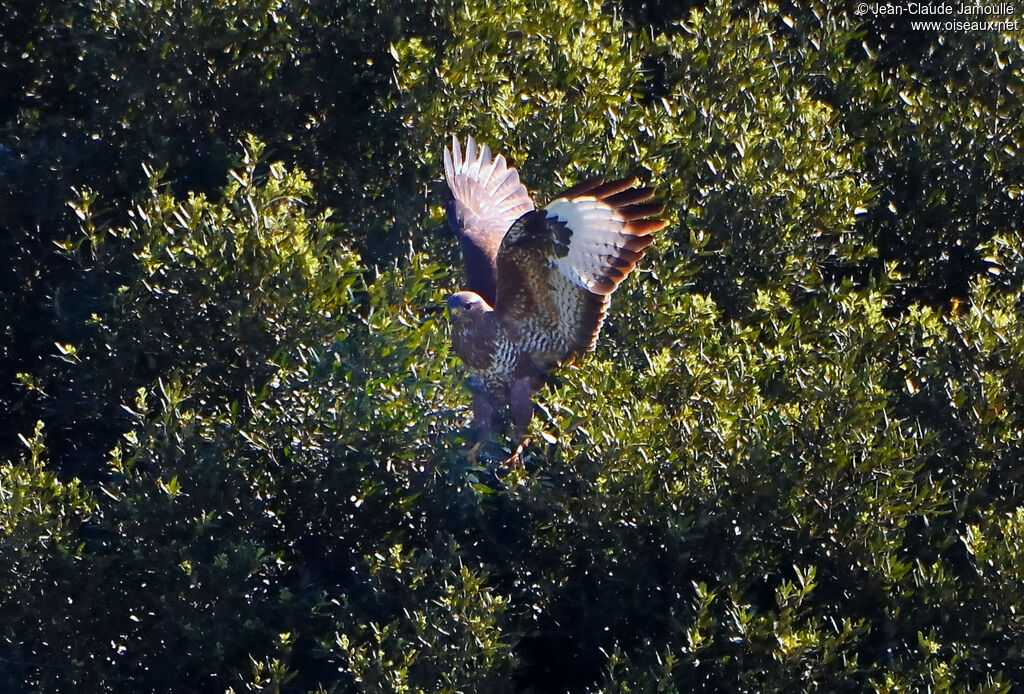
column 233, row 457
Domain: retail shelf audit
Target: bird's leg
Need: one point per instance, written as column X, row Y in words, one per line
column 516, row 459
column 483, row 417
column 521, row 407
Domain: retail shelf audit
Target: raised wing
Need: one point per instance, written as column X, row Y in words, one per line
column 487, row 197
column 557, row 266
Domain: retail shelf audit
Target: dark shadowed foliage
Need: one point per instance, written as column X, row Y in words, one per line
column 233, row 452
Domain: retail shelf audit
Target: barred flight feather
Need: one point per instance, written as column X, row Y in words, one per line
column 611, row 228
column 541, row 279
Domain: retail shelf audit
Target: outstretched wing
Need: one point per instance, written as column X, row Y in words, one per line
column 487, row 197
column 557, row 266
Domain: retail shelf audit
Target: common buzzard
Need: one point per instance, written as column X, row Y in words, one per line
column 539, row 281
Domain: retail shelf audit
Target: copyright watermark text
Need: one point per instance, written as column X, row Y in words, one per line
column 947, row 16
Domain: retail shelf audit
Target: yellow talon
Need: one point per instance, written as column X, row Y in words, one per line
column 471, row 454
column 516, row 459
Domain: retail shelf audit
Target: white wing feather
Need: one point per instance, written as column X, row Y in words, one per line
column 598, row 237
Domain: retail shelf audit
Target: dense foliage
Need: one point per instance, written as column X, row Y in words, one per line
column 233, row 453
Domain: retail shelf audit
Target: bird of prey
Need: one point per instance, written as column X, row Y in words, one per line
column 538, row 281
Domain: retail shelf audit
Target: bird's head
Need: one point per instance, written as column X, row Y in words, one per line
column 467, row 303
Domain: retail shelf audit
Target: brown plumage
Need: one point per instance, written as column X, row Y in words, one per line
column 540, row 280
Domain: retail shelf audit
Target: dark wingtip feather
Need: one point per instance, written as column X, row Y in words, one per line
column 624, row 260
column 644, row 227
column 637, row 243
column 584, row 188
column 611, row 188
column 628, row 197
column 640, row 210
